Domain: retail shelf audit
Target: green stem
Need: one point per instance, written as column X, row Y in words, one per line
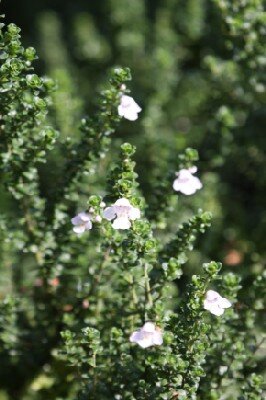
column 98, row 279
column 148, row 297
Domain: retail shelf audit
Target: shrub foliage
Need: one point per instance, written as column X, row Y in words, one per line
column 70, row 303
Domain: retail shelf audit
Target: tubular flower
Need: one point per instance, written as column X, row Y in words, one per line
column 128, row 108
column 81, row 222
column 121, row 212
column 215, row 303
column 148, row 335
column 186, row 183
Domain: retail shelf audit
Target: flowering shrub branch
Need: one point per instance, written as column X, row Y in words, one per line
column 104, row 306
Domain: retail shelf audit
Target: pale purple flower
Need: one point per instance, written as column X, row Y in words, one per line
column 121, row 212
column 215, row 303
column 148, row 335
column 186, row 183
column 128, row 108
column 81, row 222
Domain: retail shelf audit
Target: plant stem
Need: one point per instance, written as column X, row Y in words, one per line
column 148, row 297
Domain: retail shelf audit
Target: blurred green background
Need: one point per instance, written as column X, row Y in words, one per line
column 196, row 89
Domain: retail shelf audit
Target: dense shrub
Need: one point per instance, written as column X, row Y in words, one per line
column 70, row 303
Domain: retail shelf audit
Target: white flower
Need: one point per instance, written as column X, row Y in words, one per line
column 148, row 335
column 186, row 183
column 81, row 222
column 215, row 303
column 121, row 212
column 128, row 108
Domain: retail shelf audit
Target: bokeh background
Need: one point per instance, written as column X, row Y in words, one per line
column 196, row 89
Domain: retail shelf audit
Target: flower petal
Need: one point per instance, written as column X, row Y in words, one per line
column 121, row 110
column 123, row 202
column 121, row 223
column 126, row 101
column 211, row 295
column 142, row 340
column 224, row 303
column 137, row 107
column 187, row 189
column 76, row 220
column 157, row 338
column 146, row 342
column 148, row 327
column 135, row 336
column 176, row 185
column 109, row 213
column 79, row 229
column 207, row 304
column 134, row 213
column 84, row 216
column 88, row 225
column 216, row 310
column 184, row 175
column 197, row 183
column 131, row 115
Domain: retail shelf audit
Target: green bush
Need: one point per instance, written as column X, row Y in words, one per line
column 71, row 302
